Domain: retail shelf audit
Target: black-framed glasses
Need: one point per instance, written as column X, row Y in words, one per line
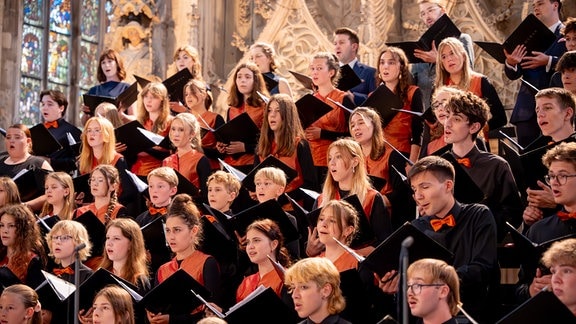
column 561, row 178
column 417, row 288
column 61, row 238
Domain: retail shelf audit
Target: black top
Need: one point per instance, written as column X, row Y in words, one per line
column 332, row 319
column 64, row 159
column 473, row 242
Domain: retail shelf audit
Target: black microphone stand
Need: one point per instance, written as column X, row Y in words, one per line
column 403, row 303
column 77, row 280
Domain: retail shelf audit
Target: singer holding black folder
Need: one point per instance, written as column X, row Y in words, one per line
column 110, row 74
column 424, row 73
column 325, row 73
column 187, row 57
column 263, row 55
column 561, row 165
column 534, row 67
column 183, row 231
column 199, row 102
column 467, row 230
column 404, row 130
column 243, row 98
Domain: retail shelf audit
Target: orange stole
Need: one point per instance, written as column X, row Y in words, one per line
column 18, row 272
column 193, row 265
column 399, row 129
column 186, row 165
column 435, row 145
column 209, row 139
column 96, row 163
column 257, row 116
column 335, row 121
column 366, row 204
column 344, row 262
column 250, row 283
column 145, row 162
column 100, row 213
column 380, row 168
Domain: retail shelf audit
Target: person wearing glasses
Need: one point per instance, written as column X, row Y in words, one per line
column 467, row 230
column 433, row 291
column 561, row 163
column 467, row 114
column 62, row 240
column 555, row 115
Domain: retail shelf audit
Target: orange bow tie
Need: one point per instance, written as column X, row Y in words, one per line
column 53, row 124
column 161, row 210
column 66, row 270
column 465, row 162
column 437, row 223
column 565, row 215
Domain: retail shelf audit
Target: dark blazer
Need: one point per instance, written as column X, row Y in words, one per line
column 368, row 76
column 525, row 102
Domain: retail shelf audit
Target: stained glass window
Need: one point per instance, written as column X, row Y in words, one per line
column 47, row 37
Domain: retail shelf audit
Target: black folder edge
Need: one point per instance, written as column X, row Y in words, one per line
column 43, row 142
column 269, row 161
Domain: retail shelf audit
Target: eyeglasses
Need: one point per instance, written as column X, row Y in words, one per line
column 61, row 238
column 417, row 288
column 561, row 178
column 95, row 181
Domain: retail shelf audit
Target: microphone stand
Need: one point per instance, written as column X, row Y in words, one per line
column 403, row 304
column 77, row 281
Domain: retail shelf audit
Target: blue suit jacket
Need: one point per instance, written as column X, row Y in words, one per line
column 368, row 76
column 524, row 109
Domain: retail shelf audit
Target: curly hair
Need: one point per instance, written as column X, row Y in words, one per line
column 404, row 78
column 27, row 240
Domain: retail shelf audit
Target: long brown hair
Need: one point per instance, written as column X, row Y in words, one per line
column 158, row 90
column 136, row 269
column 111, row 178
column 183, row 206
column 236, row 99
column 371, row 116
column 27, row 241
column 121, row 303
column 272, row 231
column 112, row 55
column 12, row 195
column 405, row 77
column 290, row 129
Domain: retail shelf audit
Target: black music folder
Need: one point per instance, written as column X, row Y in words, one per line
column 126, row 98
column 81, row 186
column 544, row 307
column 100, row 279
column 43, row 142
column 384, row 101
column 175, row 295
column 96, row 231
column 385, row 257
column 465, row 189
column 348, row 78
column 531, row 33
column 443, row 27
column 270, row 82
column 30, row 183
column 138, row 139
column 174, row 84
column 310, row 109
column 270, row 161
column 305, row 80
column 239, row 129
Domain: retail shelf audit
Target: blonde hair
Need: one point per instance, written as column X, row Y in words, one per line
column 12, row 195
column 231, row 184
column 193, row 53
column 165, row 173
column 268, row 50
column 332, row 63
column 158, row 90
column 349, row 149
column 135, row 269
column 438, row 271
column 190, row 122
column 343, row 213
column 108, row 148
column 78, row 233
column 322, row 272
column 277, row 176
column 442, row 75
column 29, row 298
column 110, row 112
column 561, row 252
column 65, row 180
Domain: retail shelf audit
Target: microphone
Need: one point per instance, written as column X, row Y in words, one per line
column 82, row 246
column 408, row 242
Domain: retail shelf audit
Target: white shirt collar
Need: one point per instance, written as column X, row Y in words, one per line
column 553, row 27
column 351, row 63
